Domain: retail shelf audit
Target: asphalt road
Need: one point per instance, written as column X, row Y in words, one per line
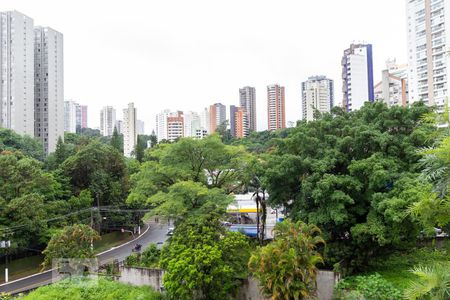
column 156, row 233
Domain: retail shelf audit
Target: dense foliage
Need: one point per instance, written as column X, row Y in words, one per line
column 71, row 242
column 368, row 287
column 149, row 258
column 204, row 261
column 287, row 267
column 102, row 290
column 354, row 175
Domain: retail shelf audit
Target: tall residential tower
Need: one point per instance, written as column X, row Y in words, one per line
column 317, row 93
column 129, row 130
column 357, row 76
column 17, row 72
column 276, row 114
column 217, row 116
column 428, row 23
column 247, row 100
column 107, row 120
column 48, row 87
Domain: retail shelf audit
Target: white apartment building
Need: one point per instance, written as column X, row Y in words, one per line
column 107, row 120
column 393, row 87
column 17, row 72
column 161, row 125
column 247, row 100
column 129, row 130
column 276, row 114
column 357, row 76
column 49, row 87
column 70, row 116
column 193, row 124
column 317, row 94
column 428, row 23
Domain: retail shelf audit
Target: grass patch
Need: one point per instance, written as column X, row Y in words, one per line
column 110, row 240
column 22, row 267
column 88, row 290
column 396, row 267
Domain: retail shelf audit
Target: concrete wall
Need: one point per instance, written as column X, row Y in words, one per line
column 142, row 276
column 249, row 290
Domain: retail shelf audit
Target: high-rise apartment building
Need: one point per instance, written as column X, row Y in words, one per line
column 70, row 116
column 247, row 100
column 241, row 122
column 276, row 114
column 161, row 125
column 48, row 87
column 82, row 116
column 107, row 120
column 357, row 76
column 192, row 123
column 393, row 87
column 175, row 126
column 317, row 94
column 204, row 119
column 17, row 72
column 428, row 24
column 217, row 116
column 233, row 110
column 129, row 129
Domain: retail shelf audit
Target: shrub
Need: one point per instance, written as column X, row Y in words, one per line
column 372, row 287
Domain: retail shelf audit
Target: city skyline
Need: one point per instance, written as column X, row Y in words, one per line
column 162, row 52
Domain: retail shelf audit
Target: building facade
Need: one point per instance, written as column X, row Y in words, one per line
column 48, row 87
column 175, row 126
column 70, row 116
column 107, row 120
column 161, row 125
column 276, row 114
column 357, row 76
column 317, row 94
column 129, row 130
column 82, row 115
column 393, row 87
column 217, row 116
column 247, row 100
column 17, row 72
column 428, row 23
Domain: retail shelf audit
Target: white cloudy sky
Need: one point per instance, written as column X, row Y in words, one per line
column 187, row 54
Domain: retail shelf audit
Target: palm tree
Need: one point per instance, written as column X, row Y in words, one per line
column 286, row 268
column 436, row 166
column 433, row 283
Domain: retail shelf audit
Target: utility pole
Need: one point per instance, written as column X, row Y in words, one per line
column 6, row 245
column 92, row 226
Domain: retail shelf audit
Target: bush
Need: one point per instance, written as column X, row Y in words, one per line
column 104, row 290
column 372, row 287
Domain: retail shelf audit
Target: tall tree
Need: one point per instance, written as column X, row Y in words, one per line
column 204, row 261
column 117, row 140
column 139, row 149
column 71, row 242
column 339, row 171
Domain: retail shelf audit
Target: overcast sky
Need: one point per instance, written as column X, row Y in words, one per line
column 188, row 54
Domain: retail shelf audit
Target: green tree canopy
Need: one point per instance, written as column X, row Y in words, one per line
column 101, row 169
column 203, row 261
column 71, row 242
column 338, row 172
